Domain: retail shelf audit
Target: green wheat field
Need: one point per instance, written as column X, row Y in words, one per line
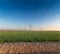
column 29, row 36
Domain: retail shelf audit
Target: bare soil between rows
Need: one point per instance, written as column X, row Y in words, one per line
column 30, row 48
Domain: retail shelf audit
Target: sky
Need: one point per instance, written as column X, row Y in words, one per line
column 41, row 14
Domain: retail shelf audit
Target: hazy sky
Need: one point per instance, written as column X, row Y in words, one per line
column 38, row 13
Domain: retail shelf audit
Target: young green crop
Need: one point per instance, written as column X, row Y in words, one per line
column 29, row 36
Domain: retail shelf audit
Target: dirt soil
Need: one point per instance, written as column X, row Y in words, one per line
column 30, row 48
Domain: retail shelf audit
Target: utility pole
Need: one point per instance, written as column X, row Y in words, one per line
column 30, row 27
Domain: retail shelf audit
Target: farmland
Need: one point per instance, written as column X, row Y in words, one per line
column 29, row 36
